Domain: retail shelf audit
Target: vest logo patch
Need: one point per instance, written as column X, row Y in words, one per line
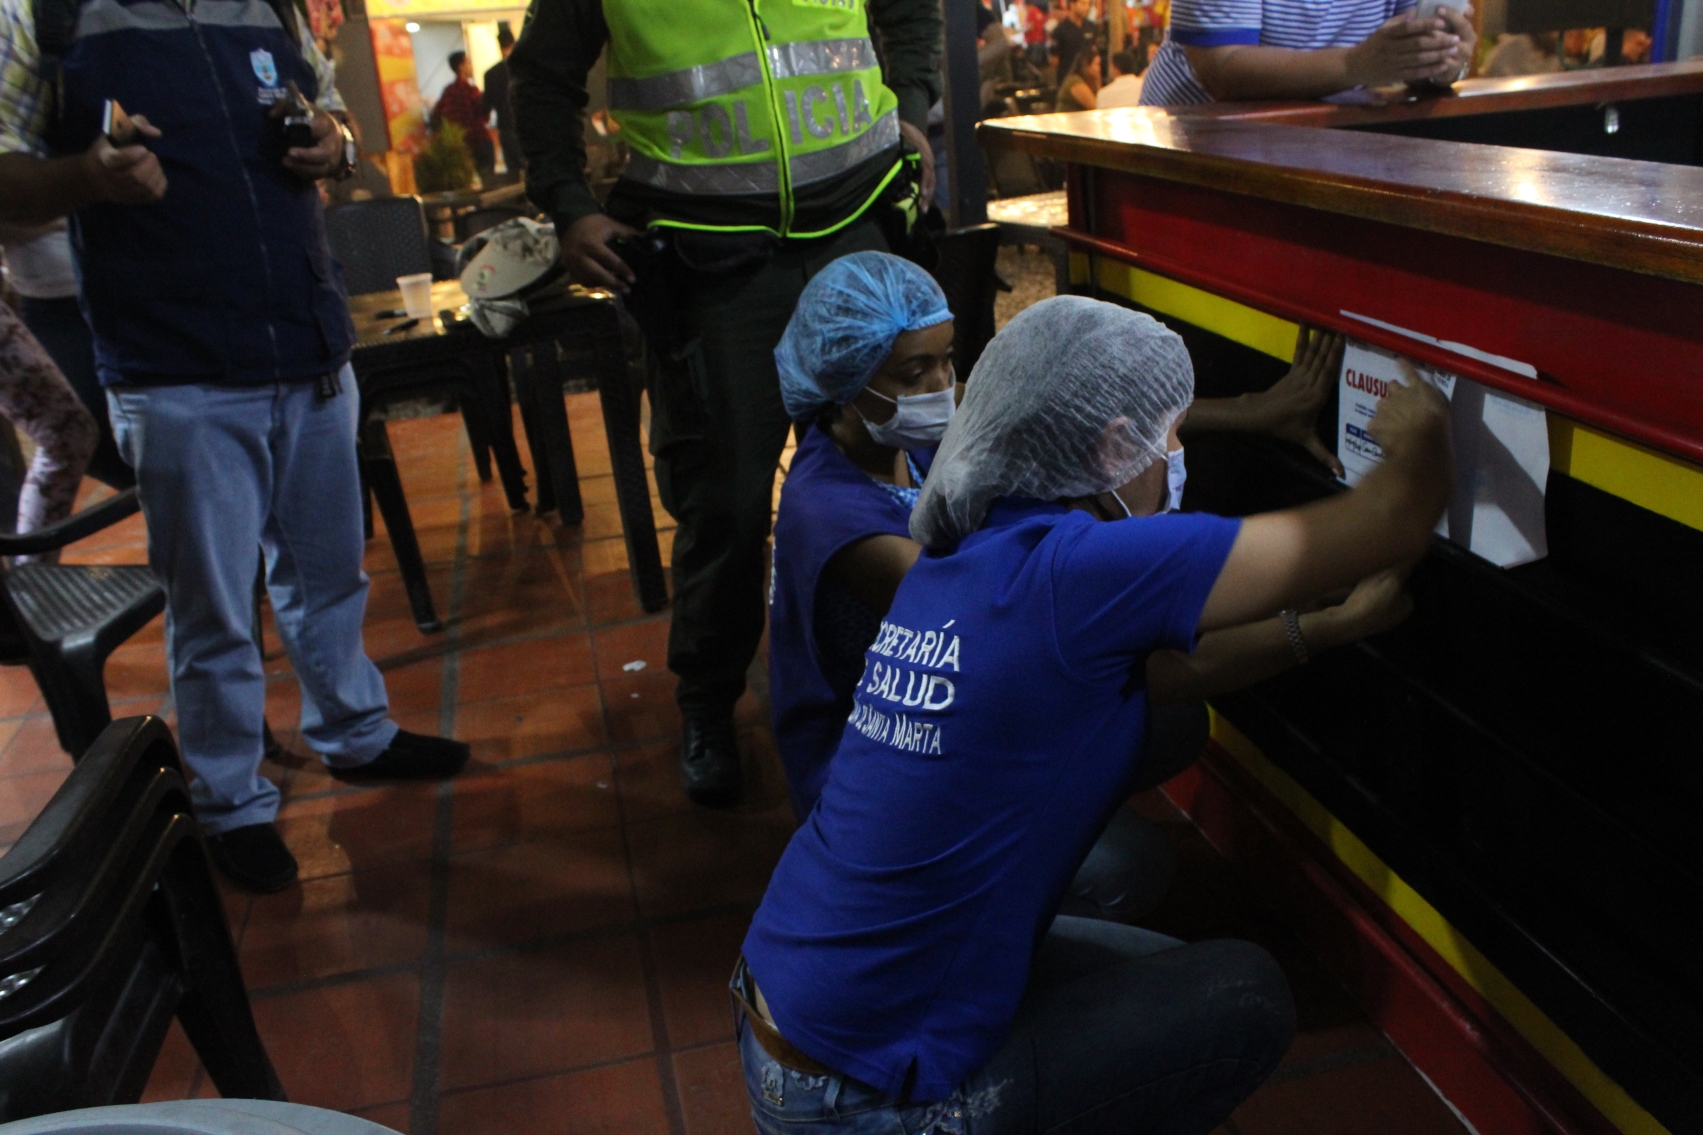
column 265, row 68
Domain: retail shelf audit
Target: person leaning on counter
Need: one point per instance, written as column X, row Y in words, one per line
column 1238, row 50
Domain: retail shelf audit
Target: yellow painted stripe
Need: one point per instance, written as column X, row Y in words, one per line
column 1662, row 484
column 1540, row 1032
column 1236, row 322
column 1665, row 485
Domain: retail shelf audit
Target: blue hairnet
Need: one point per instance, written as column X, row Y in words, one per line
column 845, row 324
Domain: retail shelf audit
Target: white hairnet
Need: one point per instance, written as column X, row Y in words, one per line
column 1072, row 398
column 845, row 324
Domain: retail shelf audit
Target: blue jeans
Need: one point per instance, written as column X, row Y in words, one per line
column 224, row 473
column 1121, row 1030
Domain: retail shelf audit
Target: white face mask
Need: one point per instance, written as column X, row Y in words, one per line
column 918, row 421
column 1175, row 476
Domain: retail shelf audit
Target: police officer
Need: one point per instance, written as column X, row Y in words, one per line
column 222, row 336
column 765, row 140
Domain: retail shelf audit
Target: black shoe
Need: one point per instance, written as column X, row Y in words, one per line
column 254, row 857
column 709, row 761
column 412, row 756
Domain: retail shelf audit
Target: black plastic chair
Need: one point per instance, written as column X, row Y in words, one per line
column 66, row 619
column 377, row 241
column 968, row 273
column 111, row 925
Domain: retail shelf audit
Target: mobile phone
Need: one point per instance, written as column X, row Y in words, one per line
column 298, row 120
column 1427, row 9
column 116, row 125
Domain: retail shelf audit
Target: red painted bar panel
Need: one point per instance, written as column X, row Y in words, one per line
column 1626, row 347
column 1479, row 1063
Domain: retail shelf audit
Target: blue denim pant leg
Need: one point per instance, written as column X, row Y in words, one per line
column 1120, row 1030
column 1123, row 1029
column 314, row 541
column 221, row 471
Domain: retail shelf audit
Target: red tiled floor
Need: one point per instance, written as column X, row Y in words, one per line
column 549, row 721
column 712, row 1090
column 336, row 925
column 538, row 888
column 526, row 667
column 534, row 800
column 32, row 747
column 370, row 827
column 346, row 1044
column 629, row 645
column 18, row 692
column 175, row 1070
column 705, row 859
column 620, row 1099
column 692, row 969
column 536, row 1011
column 392, row 1115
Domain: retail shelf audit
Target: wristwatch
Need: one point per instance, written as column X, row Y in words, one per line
column 1292, row 631
column 346, row 168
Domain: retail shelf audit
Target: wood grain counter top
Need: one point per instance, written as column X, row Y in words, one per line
column 1645, row 217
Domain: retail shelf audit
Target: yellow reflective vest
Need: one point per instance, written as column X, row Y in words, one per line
column 733, row 98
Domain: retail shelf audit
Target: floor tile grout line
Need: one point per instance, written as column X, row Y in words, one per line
column 428, row 1046
column 653, row 982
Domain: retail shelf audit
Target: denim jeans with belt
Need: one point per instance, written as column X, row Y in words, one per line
column 225, row 472
column 1120, row 1030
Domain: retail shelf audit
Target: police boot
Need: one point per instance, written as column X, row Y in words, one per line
column 709, row 759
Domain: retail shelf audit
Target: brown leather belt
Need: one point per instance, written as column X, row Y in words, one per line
column 768, row 1037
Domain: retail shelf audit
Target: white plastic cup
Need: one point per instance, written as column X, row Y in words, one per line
column 416, row 294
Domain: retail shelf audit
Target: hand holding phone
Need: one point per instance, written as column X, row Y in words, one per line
column 298, row 120
column 119, row 166
column 117, row 126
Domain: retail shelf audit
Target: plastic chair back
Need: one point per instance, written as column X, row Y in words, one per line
column 377, row 241
column 111, row 924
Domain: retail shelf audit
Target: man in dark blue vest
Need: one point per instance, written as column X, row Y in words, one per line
column 222, row 337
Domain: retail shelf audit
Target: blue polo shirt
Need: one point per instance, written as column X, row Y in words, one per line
column 1303, row 25
column 999, row 717
column 827, row 505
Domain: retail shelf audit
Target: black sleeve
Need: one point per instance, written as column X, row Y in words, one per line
column 910, row 32
column 558, row 45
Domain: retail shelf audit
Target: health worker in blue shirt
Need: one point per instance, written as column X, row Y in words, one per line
column 906, row 970
column 866, row 370
column 1237, row 50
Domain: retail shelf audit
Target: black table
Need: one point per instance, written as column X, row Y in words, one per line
column 428, row 357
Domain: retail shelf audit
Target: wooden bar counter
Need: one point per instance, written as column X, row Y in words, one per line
column 1489, row 822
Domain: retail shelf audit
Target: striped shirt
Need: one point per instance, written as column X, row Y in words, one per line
column 1302, row 25
column 24, row 94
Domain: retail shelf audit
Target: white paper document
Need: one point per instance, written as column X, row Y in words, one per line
column 1501, row 453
